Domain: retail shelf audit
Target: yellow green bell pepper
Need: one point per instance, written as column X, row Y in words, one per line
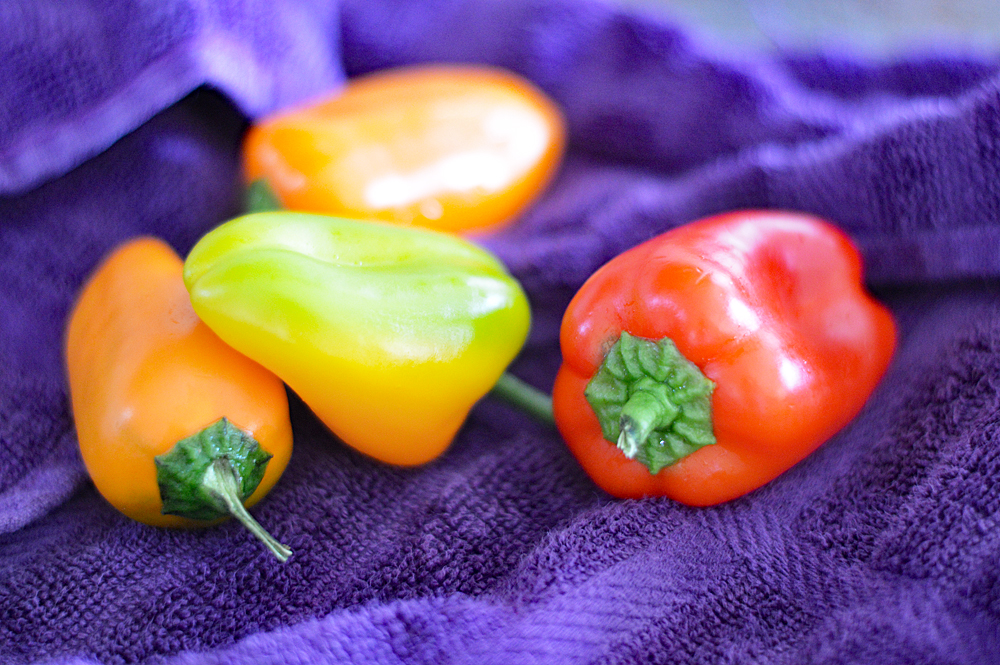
column 389, row 334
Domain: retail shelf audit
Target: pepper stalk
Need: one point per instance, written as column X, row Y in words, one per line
column 651, row 401
column 208, row 476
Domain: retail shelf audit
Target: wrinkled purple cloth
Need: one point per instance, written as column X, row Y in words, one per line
column 123, row 118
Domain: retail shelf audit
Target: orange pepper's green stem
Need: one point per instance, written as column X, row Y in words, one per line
column 259, row 197
column 210, row 474
column 221, row 481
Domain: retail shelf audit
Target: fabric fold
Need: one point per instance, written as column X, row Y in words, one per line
column 80, row 75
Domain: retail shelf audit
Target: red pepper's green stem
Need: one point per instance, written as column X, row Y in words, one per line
column 525, row 397
column 639, row 416
column 651, row 401
column 211, row 473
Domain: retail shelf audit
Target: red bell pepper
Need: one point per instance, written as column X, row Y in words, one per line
column 707, row 361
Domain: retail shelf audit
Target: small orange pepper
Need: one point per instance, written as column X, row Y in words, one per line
column 450, row 147
column 169, row 419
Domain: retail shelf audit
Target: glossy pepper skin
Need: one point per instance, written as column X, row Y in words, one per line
column 390, row 334
column 451, row 147
column 770, row 307
column 145, row 373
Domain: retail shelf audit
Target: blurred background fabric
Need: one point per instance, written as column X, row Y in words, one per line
column 79, row 75
column 868, row 29
column 125, row 117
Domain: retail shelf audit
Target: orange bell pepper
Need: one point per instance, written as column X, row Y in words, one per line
column 450, row 147
column 175, row 428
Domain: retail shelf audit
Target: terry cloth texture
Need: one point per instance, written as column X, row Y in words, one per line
column 121, row 118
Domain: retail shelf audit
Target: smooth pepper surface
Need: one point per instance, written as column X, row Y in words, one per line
column 769, row 307
column 390, row 334
column 449, row 147
column 145, row 373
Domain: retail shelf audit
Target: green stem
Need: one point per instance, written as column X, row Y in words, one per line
column 525, row 397
column 259, row 197
column 209, row 475
column 640, row 415
column 651, row 401
column 220, row 480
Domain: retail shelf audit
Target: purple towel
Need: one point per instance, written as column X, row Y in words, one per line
column 122, row 118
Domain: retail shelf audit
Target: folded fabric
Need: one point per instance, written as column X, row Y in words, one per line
column 79, row 75
column 125, row 118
